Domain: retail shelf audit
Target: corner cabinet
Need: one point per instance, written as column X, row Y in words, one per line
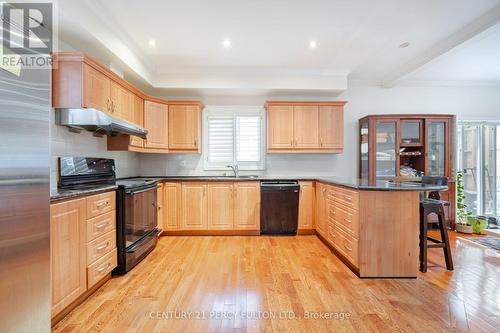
column 407, row 147
column 305, row 127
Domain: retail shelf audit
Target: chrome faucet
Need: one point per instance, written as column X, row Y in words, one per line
column 235, row 169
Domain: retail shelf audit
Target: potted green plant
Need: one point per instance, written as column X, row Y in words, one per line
column 478, row 224
column 463, row 215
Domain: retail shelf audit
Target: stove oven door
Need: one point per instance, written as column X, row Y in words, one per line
column 139, row 213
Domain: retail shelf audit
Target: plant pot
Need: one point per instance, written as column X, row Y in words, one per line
column 463, row 228
column 478, row 225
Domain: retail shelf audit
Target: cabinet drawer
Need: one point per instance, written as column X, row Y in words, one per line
column 100, row 203
column 101, row 246
column 347, row 219
column 345, row 244
column 344, row 196
column 100, row 225
column 101, row 268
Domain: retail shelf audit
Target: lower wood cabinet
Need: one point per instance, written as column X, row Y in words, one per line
column 68, row 252
column 160, row 206
column 306, row 205
column 247, row 206
column 217, row 206
column 82, row 246
column 194, row 206
column 220, row 206
column 321, row 210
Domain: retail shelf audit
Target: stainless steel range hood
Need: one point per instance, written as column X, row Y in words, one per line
column 96, row 121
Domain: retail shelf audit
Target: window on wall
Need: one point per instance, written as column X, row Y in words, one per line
column 479, row 160
column 234, row 135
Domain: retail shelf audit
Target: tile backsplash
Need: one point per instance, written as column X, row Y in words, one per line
column 66, row 143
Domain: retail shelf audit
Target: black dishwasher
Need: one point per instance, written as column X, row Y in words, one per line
column 279, row 207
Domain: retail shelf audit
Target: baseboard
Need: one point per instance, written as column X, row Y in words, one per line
column 64, row 312
column 210, row 233
column 306, row 232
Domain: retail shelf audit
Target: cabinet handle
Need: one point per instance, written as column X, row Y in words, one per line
column 101, row 205
column 204, row 190
column 101, row 226
column 102, row 247
column 347, row 247
column 291, row 142
column 107, row 105
column 195, row 142
column 102, row 269
column 321, row 142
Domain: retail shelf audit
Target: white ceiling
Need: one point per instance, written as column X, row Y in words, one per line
column 270, row 39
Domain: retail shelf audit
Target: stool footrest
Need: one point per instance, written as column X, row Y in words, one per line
column 433, row 246
column 434, row 240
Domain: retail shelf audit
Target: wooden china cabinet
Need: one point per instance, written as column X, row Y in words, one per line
column 407, row 147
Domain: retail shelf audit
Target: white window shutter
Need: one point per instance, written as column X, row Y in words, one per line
column 248, row 139
column 220, row 140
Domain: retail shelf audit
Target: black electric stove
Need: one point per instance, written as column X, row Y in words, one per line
column 136, row 205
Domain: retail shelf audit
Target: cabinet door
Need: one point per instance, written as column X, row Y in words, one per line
column 306, row 205
column 194, row 206
column 387, row 148
column 156, row 122
column 220, row 205
column 247, row 205
column 171, row 206
column 321, row 209
column 306, row 124
column 121, row 102
column 138, row 119
column 331, row 127
column 96, row 90
column 68, row 252
column 184, row 127
column 160, row 206
column 280, row 127
column 437, row 155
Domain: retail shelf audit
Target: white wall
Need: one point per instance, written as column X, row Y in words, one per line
column 364, row 98
column 65, row 143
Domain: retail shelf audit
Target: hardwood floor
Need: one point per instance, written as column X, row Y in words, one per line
column 247, row 274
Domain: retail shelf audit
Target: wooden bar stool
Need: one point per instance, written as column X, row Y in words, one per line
column 429, row 205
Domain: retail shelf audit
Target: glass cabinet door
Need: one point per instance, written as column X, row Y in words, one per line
column 410, row 132
column 385, row 142
column 436, row 150
column 364, row 144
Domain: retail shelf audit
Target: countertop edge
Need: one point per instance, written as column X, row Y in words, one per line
column 74, row 194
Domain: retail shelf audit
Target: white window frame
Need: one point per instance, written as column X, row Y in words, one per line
column 233, row 112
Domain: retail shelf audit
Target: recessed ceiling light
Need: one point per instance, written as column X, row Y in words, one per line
column 313, row 44
column 226, row 43
column 405, row 44
column 152, row 42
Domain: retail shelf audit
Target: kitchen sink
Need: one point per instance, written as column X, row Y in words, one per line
column 247, row 176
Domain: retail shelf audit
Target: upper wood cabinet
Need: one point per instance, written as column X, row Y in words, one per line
column 280, row 127
column 247, row 205
column 96, row 90
column 122, row 102
column 138, row 115
column 305, row 127
column 156, row 123
column 184, row 128
column 68, row 252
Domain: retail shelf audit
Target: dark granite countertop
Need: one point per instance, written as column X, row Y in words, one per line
column 63, row 194
column 358, row 184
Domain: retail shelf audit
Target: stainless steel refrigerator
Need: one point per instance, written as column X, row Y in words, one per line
column 25, row 291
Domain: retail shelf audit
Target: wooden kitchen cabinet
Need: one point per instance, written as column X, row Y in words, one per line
column 184, row 130
column 280, row 124
column 156, row 123
column 138, row 119
column 68, row 252
column 306, row 205
column 160, row 206
column 247, row 205
column 172, row 206
column 194, row 206
column 305, row 127
column 331, row 127
column 321, row 210
column 96, row 90
column 121, row 102
column 220, row 205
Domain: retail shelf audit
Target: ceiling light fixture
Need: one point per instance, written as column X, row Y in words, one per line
column 226, row 43
column 313, row 44
column 152, row 42
column 405, row 44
